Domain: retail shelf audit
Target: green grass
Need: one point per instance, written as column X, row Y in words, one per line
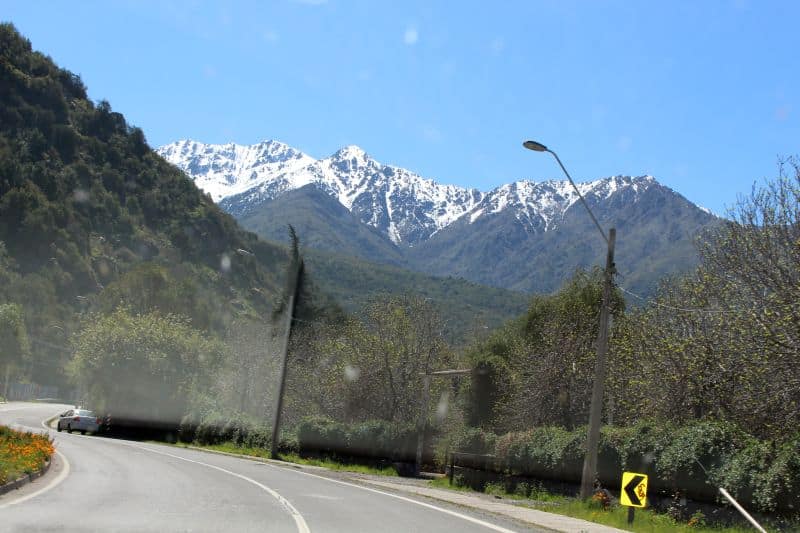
column 496, row 489
column 230, row 447
column 334, row 465
column 645, row 521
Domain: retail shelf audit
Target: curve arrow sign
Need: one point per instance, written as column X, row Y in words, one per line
column 634, row 489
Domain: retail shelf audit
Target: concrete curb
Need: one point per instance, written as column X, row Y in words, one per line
column 27, row 478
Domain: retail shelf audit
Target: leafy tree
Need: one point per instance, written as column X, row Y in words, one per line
column 143, row 367
column 370, row 368
column 539, row 369
column 14, row 345
column 724, row 342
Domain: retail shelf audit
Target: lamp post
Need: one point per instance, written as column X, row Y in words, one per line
column 596, row 408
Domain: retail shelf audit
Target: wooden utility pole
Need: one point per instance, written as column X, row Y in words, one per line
column 596, row 409
column 422, row 420
column 294, row 291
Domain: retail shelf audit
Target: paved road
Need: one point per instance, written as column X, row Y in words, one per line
column 117, row 485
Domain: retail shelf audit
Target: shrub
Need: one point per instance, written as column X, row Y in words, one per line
column 321, row 435
column 762, row 475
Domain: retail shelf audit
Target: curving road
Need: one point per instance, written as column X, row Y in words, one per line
column 99, row 484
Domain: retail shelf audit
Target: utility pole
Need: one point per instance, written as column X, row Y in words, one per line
column 596, row 409
column 422, row 420
column 295, row 282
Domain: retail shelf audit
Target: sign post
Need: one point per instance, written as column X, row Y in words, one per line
column 634, row 492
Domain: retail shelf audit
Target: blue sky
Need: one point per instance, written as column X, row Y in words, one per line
column 703, row 95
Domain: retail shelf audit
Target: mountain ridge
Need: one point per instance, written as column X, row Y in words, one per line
column 446, row 230
column 371, row 189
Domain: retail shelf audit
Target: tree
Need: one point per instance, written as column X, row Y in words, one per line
column 14, row 345
column 538, row 370
column 723, row 341
column 144, row 368
column 370, row 368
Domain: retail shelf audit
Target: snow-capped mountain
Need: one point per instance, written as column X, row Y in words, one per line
column 525, row 235
column 402, row 205
column 541, row 206
column 223, row 170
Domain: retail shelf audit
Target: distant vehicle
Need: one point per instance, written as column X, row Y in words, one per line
column 81, row 420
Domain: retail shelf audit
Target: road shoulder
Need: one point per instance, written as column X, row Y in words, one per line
column 409, row 486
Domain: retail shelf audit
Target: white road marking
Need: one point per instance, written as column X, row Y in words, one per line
column 302, row 526
column 409, row 500
column 299, row 521
column 61, row 477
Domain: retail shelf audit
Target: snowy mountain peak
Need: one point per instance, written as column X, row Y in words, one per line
column 223, row 170
column 351, row 151
column 404, row 206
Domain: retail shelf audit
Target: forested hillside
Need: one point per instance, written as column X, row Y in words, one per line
column 91, row 219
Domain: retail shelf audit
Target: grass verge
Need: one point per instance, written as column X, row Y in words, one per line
column 22, row 452
column 230, row 447
column 645, row 521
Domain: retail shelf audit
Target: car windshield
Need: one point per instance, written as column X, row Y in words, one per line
column 544, row 253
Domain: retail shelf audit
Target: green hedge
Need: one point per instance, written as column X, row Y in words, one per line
column 763, row 475
column 376, row 439
column 240, row 430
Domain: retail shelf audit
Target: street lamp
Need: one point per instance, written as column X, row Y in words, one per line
column 596, row 408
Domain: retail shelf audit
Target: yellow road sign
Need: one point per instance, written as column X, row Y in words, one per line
column 634, row 489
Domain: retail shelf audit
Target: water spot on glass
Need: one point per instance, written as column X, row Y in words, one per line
column 225, row 263
column 80, row 196
column 442, row 407
column 351, row 373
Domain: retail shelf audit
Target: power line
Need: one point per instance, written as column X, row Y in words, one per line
column 674, row 308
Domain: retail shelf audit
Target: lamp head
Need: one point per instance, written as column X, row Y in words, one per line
column 536, row 147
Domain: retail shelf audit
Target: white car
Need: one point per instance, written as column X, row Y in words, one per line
column 81, row 420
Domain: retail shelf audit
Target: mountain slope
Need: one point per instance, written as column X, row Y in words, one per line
column 91, row 218
column 223, row 170
column 524, row 236
column 324, row 224
column 467, row 308
column 511, row 247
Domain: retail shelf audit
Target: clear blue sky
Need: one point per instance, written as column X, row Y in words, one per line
column 704, row 95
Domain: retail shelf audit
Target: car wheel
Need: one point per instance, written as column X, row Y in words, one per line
column 58, row 427
column 69, row 428
column 83, row 432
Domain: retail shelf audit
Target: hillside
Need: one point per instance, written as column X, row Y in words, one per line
column 91, row 218
column 467, row 308
column 655, row 226
column 324, row 224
